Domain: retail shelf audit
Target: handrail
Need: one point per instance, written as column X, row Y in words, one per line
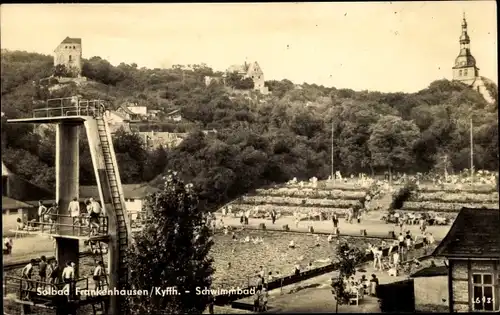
column 76, row 225
column 34, row 285
column 78, row 106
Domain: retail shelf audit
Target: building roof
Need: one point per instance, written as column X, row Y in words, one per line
column 431, row 272
column 121, row 115
column 9, row 204
column 474, row 234
column 130, row 191
column 173, row 112
column 69, row 40
column 239, row 68
column 126, row 110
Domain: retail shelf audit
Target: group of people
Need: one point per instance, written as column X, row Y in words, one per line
column 89, row 215
column 47, row 215
column 51, row 273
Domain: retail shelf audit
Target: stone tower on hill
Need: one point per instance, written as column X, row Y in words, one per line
column 69, row 54
column 465, row 69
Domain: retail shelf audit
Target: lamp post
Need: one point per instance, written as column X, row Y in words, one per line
column 332, row 149
column 471, row 153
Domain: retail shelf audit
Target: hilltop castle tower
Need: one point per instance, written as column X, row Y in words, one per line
column 69, row 54
column 465, row 69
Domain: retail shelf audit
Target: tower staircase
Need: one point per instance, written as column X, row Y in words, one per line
column 98, row 252
column 117, row 199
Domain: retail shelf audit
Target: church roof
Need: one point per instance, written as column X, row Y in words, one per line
column 465, row 59
column 69, row 40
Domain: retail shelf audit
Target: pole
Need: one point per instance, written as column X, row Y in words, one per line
column 332, row 150
column 471, row 154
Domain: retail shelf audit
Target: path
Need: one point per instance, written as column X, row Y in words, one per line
column 373, row 227
column 31, row 246
column 315, row 296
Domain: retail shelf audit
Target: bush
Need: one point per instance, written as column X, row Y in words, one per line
column 403, row 194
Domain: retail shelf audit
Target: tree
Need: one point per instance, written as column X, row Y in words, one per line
column 61, row 71
column 171, row 250
column 347, row 259
column 391, row 143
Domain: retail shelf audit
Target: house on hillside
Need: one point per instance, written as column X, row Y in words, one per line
column 154, row 113
column 117, row 120
column 253, row 71
column 140, row 111
column 174, row 115
column 69, row 54
column 472, row 248
column 431, row 289
column 129, row 114
column 153, row 139
column 134, row 195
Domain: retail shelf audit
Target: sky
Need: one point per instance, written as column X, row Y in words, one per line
column 377, row 46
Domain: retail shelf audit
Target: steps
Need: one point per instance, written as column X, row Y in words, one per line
column 98, row 253
column 116, row 198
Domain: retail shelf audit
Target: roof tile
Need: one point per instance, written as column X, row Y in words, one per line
column 474, row 234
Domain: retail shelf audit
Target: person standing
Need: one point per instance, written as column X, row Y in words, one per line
column 211, row 302
column 68, row 275
column 55, row 273
column 256, row 300
column 27, row 273
column 335, row 220
column 395, row 259
column 98, row 274
column 264, row 298
column 42, row 269
column 41, row 211
column 74, row 210
column 94, row 214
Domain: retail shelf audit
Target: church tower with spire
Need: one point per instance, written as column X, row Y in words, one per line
column 465, row 69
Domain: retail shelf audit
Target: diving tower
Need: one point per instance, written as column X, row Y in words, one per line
column 72, row 115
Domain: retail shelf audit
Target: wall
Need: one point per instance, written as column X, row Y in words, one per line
column 63, row 54
column 133, row 205
column 479, row 86
column 430, row 291
column 468, row 79
column 460, row 286
column 139, row 110
column 460, row 281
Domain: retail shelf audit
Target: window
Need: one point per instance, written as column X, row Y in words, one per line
column 465, row 71
column 74, row 47
column 70, row 58
column 460, row 73
column 483, row 298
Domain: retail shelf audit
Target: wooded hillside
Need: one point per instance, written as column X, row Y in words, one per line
column 261, row 139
